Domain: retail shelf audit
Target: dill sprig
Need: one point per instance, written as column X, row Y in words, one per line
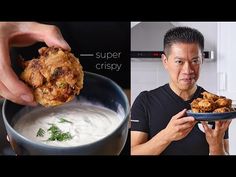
column 62, row 120
column 40, row 132
column 57, row 134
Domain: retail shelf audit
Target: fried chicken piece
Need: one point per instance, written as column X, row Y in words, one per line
column 221, row 110
column 56, row 76
column 197, row 110
column 211, row 103
column 207, row 105
column 224, row 102
column 195, row 102
column 208, row 95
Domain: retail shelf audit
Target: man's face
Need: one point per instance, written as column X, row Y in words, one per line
column 183, row 64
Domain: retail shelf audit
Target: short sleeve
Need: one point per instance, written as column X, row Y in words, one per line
column 139, row 113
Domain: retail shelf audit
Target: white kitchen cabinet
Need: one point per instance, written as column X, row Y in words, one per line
column 226, row 64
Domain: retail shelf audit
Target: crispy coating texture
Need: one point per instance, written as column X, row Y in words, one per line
column 224, row 102
column 197, row 110
column 195, row 102
column 211, row 103
column 55, row 77
column 208, row 95
column 223, row 109
column 207, row 105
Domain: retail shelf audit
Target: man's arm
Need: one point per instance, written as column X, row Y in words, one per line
column 141, row 146
column 178, row 128
column 217, row 144
column 221, row 150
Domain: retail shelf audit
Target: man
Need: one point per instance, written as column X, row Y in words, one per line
column 159, row 124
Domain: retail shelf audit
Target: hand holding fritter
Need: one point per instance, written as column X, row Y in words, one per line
column 56, row 76
column 19, row 34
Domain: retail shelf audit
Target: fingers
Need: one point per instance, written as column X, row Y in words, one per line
column 218, row 125
column 187, row 125
column 4, row 92
column 222, row 125
column 28, row 33
column 51, row 35
column 183, row 123
column 180, row 114
column 185, row 120
column 186, row 131
column 10, row 85
column 227, row 123
column 205, row 126
column 182, row 119
column 179, row 119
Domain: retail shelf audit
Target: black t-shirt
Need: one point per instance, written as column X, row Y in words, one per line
column 152, row 111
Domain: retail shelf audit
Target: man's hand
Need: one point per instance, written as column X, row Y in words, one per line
column 179, row 126
column 215, row 137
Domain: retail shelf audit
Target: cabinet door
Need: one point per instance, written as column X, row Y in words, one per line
column 226, row 64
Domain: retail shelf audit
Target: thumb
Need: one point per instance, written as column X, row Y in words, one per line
column 56, row 39
column 10, row 80
column 180, row 114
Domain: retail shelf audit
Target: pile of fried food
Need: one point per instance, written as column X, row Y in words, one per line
column 211, row 103
column 56, row 76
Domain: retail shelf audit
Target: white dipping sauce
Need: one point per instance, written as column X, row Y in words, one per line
column 89, row 123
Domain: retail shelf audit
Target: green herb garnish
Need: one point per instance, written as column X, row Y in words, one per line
column 62, row 85
column 40, row 132
column 62, row 120
column 57, row 134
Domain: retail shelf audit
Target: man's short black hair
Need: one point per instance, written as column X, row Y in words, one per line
column 183, row 35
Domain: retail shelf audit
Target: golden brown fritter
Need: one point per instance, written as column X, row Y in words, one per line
column 224, row 102
column 211, row 103
column 206, row 105
column 56, row 76
column 197, row 110
column 208, row 95
column 195, row 102
column 221, row 110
